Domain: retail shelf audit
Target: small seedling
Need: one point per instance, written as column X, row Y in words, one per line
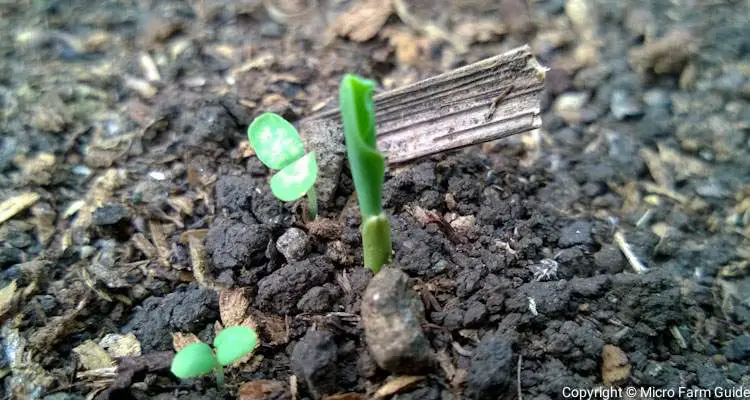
column 279, row 146
column 198, row 358
column 368, row 168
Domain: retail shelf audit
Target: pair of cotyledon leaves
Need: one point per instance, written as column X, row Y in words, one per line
column 279, row 146
column 198, row 358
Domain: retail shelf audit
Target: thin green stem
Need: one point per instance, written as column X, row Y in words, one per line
column 219, row 372
column 312, row 202
column 376, row 242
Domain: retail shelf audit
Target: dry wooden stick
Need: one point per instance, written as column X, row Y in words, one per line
column 491, row 99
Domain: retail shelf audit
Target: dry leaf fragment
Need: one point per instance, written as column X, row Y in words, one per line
column 57, row 329
column 198, row 233
column 261, row 389
column 198, row 260
column 183, row 204
column 100, row 192
column 160, row 242
column 44, row 220
column 396, row 385
column 39, row 169
column 233, row 306
column 364, row 20
column 273, row 328
column 446, row 364
column 92, row 356
column 6, row 297
column 325, row 228
column 407, row 46
column 180, row 340
column 14, row 205
column 118, row 345
column 145, row 247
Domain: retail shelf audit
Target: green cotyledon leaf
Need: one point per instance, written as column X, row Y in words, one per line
column 233, row 343
column 193, row 360
column 296, row 179
column 275, row 140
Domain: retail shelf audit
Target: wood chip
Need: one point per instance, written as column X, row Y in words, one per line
column 92, row 356
column 661, row 173
column 364, row 20
column 73, row 208
column 14, row 205
column 396, row 385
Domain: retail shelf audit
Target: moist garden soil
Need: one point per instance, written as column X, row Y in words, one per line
column 137, row 200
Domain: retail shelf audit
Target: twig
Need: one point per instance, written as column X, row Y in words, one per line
column 631, row 257
column 518, row 377
column 678, row 337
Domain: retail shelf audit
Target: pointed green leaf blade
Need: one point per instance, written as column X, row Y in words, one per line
column 275, row 140
column 366, row 162
column 193, row 360
column 295, row 179
column 234, row 343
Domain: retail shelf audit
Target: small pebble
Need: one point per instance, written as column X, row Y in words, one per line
column 623, row 105
column 109, row 214
column 570, row 106
column 294, row 244
column 392, row 314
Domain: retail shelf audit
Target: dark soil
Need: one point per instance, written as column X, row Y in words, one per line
column 515, row 248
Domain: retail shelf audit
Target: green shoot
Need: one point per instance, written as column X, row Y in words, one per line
column 368, row 168
column 279, row 146
column 197, row 359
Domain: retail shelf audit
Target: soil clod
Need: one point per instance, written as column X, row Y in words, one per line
column 492, row 369
column 314, row 361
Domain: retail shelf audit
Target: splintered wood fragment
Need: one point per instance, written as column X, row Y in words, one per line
column 488, row 100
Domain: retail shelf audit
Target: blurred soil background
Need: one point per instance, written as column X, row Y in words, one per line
column 611, row 247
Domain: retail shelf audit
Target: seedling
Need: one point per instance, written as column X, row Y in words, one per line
column 368, row 168
column 279, row 146
column 198, row 358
